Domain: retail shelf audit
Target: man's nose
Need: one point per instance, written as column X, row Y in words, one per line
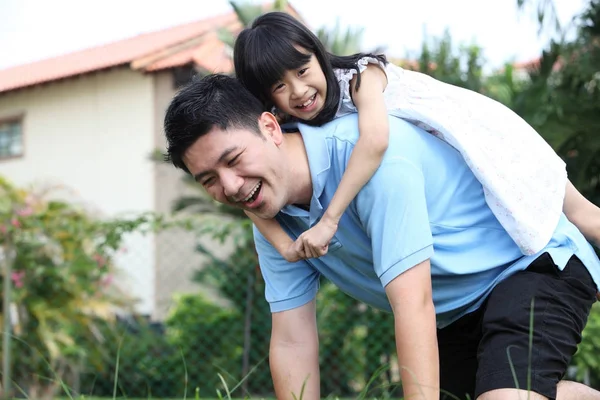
column 232, row 185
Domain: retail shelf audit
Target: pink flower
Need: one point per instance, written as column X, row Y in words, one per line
column 107, row 280
column 15, row 222
column 25, row 212
column 101, row 261
column 17, row 278
column 29, row 200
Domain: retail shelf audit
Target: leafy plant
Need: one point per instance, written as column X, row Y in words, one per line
column 63, row 284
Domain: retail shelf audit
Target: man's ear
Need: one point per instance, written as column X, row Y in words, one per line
column 269, row 126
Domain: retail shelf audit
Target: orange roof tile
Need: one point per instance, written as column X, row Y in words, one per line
column 195, row 42
column 107, row 56
column 529, row 64
column 212, row 56
column 206, row 51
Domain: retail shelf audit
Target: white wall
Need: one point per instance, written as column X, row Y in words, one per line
column 94, row 134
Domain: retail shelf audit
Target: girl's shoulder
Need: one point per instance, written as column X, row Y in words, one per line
column 344, row 77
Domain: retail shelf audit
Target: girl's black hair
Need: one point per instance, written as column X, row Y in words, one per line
column 265, row 51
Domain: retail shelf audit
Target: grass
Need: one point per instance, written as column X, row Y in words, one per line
column 225, row 393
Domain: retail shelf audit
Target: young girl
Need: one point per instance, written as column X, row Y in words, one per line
column 525, row 183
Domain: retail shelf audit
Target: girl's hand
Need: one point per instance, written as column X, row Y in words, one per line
column 294, row 252
column 315, row 241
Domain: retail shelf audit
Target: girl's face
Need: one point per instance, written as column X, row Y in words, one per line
column 301, row 92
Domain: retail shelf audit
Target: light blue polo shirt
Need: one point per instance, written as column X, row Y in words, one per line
column 422, row 203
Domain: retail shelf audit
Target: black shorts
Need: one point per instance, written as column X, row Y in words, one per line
column 489, row 348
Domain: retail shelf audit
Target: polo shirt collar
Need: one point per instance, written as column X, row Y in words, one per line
column 319, row 161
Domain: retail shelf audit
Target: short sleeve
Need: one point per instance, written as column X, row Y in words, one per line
column 287, row 285
column 344, row 76
column 393, row 210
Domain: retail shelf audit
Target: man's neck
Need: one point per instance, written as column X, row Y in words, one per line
column 300, row 182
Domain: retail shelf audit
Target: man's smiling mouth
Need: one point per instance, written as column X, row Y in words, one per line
column 253, row 194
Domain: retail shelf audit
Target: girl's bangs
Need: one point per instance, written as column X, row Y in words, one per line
column 272, row 57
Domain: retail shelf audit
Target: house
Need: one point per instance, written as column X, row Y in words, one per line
column 90, row 121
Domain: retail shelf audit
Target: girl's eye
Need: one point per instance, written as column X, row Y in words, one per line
column 302, row 71
column 277, row 86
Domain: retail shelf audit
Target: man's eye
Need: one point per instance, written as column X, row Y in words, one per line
column 233, row 160
column 208, row 181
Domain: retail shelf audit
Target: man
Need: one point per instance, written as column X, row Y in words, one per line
column 419, row 240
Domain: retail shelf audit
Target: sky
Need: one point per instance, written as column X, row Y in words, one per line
column 31, row 30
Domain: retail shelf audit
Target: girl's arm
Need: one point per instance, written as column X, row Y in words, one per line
column 275, row 235
column 364, row 161
column 584, row 214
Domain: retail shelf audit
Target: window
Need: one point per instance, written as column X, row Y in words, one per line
column 11, row 138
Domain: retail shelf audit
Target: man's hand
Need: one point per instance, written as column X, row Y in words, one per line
column 314, row 243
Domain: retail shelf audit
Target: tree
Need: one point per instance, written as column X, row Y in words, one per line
column 440, row 59
column 336, row 41
column 563, row 101
column 545, row 11
column 341, row 42
column 246, row 13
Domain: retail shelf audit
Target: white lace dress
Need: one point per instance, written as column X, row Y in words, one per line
column 522, row 177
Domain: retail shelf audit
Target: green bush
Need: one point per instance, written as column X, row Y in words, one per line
column 587, row 359
column 208, row 339
column 199, row 340
column 62, row 272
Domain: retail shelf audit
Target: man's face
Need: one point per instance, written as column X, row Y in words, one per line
column 241, row 168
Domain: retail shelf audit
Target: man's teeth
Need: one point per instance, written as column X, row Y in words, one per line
column 252, row 192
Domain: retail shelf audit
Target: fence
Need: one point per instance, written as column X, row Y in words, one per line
column 212, row 319
column 210, row 329
column 210, row 322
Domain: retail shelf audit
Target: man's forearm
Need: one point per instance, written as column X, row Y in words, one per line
column 295, row 370
column 416, row 342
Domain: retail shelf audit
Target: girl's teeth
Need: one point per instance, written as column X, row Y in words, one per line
column 307, row 102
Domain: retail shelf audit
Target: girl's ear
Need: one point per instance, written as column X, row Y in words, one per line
column 270, row 127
